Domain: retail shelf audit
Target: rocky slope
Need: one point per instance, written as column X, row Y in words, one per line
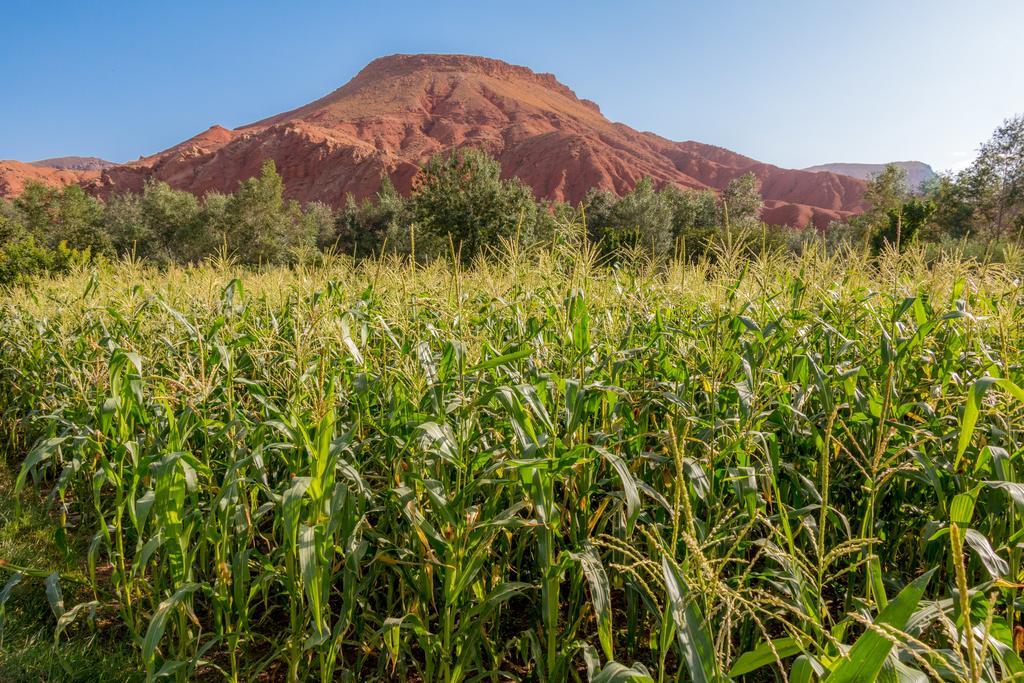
column 400, row 110
column 14, row 175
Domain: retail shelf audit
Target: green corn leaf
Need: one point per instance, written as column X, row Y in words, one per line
column 158, row 623
column 613, row 672
column 44, row 450
column 864, row 660
column 973, row 407
column 69, row 617
column 310, row 571
column 691, row 629
column 54, row 595
column 765, row 654
column 629, row 487
column 802, row 671
column 961, row 509
column 600, row 595
column 1013, row 489
column 994, row 565
column 498, row 361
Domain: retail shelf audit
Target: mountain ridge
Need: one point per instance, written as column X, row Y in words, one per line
column 401, row 109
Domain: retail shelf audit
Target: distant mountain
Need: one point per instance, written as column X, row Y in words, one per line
column 14, row 175
column 917, row 171
column 76, row 163
column 400, row 110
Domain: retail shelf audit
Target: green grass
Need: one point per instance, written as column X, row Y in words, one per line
column 27, row 650
column 535, row 468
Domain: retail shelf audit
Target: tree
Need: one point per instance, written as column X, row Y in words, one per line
column 695, row 219
column 597, row 211
column 954, row 206
column 318, row 220
column 37, row 206
column 80, row 222
column 171, row 220
column 642, row 217
column 364, row 228
column 126, row 224
column 10, row 221
column 885, row 196
column 462, row 197
column 742, row 202
column 263, row 228
column 997, row 177
column 906, row 221
column 886, row 191
column 988, row 196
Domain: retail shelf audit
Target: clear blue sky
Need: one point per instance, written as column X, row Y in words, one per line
column 791, row 83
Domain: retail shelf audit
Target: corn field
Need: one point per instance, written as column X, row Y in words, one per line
column 537, row 468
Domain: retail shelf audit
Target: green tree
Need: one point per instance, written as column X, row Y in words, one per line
column 318, row 219
column 906, row 221
column 68, row 216
column 642, row 217
column 885, row 195
column 954, row 206
column 10, row 221
column 997, row 177
column 462, row 197
column 261, row 226
column 742, row 202
column 214, row 221
column 126, row 224
column 37, row 206
column 886, row 191
column 171, row 220
column 695, row 219
column 80, row 222
column 363, row 228
column 597, row 212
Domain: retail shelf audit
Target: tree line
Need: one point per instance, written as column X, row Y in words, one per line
column 461, row 206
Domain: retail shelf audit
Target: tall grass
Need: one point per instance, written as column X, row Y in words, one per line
column 537, row 468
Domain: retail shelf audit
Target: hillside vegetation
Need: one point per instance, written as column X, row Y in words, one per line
column 462, row 204
column 536, row 467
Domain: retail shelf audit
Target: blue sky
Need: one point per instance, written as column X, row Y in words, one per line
column 791, row 83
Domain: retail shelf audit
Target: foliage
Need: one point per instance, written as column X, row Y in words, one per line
column 67, row 216
column 462, row 198
column 741, row 201
column 987, row 198
column 999, row 170
column 536, row 468
column 641, row 218
column 367, row 228
column 904, row 224
column 461, row 203
column 696, row 219
column 261, row 226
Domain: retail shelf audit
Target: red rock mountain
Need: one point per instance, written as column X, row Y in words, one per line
column 400, row 110
column 15, row 174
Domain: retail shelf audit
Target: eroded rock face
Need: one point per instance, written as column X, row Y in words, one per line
column 400, row 110
column 15, row 174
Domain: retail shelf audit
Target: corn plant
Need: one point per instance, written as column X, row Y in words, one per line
column 540, row 467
